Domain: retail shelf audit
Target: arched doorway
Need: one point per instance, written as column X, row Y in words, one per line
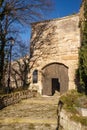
column 55, row 78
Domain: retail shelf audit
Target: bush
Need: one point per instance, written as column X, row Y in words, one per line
column 71, row 101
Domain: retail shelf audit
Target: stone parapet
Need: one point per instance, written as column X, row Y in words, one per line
column 67, row 124
column 13, row 98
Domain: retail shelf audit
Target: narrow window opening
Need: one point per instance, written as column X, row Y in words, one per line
column 35, row 76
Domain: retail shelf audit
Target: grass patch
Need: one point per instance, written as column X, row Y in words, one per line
column 81, row 119
column 72, row 100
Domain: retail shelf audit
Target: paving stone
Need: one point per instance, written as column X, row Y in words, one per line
column 38, row 113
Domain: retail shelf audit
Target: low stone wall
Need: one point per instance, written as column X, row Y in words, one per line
column 68, row 124
column 13, row 98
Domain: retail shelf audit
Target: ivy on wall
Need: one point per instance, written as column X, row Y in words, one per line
column 82, row 70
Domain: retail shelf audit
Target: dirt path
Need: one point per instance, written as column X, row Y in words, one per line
column 32, row 114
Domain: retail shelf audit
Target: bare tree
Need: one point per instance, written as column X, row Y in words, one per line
column 21, row 68
column 12, row 14
column 19, row 73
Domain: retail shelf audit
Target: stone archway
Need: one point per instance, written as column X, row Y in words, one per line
column 55, row 78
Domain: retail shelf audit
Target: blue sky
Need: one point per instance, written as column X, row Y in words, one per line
column 65, row 7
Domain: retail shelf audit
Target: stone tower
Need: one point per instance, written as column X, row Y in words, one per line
column 54, row 54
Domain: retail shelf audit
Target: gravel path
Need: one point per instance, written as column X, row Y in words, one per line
column 38, row 113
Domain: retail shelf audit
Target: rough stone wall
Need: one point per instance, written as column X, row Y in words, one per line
column 19, row 73
column 52, row 41
column 68, row 124
column 13, row 98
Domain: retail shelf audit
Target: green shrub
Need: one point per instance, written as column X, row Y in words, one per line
column 81, row 73
column 81, row 119
column 71, row 101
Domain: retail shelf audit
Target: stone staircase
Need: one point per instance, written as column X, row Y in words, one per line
column 39, row 113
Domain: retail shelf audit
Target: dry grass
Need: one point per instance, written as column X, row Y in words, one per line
column 35, row 113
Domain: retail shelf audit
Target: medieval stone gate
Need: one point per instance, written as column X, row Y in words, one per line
column 55, row 78
column 54, row 55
